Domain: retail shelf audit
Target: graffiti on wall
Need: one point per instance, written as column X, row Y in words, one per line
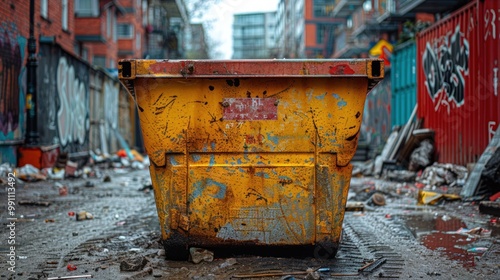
column 111, row 106
column 72, row 114
column 11, row 76
column 376, row 124
column 445, row 63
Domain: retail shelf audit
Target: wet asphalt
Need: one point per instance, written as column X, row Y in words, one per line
column 108, row 229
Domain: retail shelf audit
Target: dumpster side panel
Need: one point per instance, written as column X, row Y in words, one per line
column 229, row 165
column 458, row 81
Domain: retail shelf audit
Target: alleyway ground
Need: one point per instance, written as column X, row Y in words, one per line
column 125, row 229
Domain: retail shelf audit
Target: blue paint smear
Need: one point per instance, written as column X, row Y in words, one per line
column 335, row 95
column 284, row 178
column 273, row 139
column 239, row 161
column 321, row 97
column 212, row 160
column 212, row 145
column 222, row 188
column 196, row 157
column 199, row 187
column 341, row 103
column 260, row 163
column 262, row 174
column 173, row 161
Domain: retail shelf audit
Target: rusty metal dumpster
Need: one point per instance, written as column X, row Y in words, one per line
column 250, row 152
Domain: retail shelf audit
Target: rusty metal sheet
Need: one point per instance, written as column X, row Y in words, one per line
column 251, row 159
column 369, row 68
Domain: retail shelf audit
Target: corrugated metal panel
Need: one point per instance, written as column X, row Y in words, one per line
column 404, row 89
column 457, row 62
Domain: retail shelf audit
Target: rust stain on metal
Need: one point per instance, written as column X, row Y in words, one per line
column 342, row 69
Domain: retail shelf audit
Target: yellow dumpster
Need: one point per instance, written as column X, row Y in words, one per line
column 250, row 152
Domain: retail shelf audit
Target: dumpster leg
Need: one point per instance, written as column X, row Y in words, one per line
column 325, row 249
column 176, row 247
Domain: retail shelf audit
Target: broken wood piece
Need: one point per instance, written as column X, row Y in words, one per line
column 34, row 203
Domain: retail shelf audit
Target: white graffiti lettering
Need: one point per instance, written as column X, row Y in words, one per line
column 72, row 116
column 110, row 106
column 490, row 24
column 491, row 130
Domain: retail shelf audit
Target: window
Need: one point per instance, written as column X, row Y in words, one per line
column 86, row 8
column 44, row 8
column 64, row 17
column 125, row 31
column 99, row 60
column 320, row 33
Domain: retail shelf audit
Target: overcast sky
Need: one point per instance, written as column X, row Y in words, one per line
column 221, row 16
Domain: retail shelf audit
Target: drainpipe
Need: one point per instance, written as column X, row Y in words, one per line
column 32, row 136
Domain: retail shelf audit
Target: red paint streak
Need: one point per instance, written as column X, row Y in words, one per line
column 341, row 69
column 250, row 109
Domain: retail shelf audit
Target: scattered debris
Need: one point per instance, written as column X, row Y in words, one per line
column 440, row 174
column 477, row 231
column 89, row 184
column 29, row 173
column 401, row 175
column 63, row 190
column 421, row 157
column 354, row 206
column 133, row 264
column 378, row 199
column 490, row 207
column 106, row 179
column 34, row 203
column 371, row 267
column 197, row 255
column 70, row 168
column 50, row 220
column 70, row 277
column 228, row 262
column 433, row 198
column 84, row 215
column 491, row 153
column 71, row 267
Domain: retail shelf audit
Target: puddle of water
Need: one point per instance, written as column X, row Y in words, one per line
column 454, row 246
column 441, row 233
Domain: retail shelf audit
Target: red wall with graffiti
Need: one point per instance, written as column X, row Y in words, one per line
column 457, row 80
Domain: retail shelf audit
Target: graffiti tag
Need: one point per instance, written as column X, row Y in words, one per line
column 445, row 64
column 72, row 115
column 11, row 60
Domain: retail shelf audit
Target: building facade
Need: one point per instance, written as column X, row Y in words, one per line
column 253, row 35
column 77, row 101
